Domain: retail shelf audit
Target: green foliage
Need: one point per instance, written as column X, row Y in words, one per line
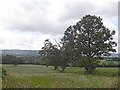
column 16, row 60
column 51, row 53
column 89, row 39
column 10, row 59
column 4, row 73
column 108, row 63
column 102, row 63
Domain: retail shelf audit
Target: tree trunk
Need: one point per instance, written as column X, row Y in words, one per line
column 89, row 68
column 63, row 68
column 55, row 67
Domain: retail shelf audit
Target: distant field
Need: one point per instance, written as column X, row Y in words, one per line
column 38, row 76
column 0, row 64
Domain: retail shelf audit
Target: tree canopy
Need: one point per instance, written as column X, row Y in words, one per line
column 88, row 39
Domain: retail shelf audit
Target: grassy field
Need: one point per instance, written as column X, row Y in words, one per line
column 37, row 76
column 0, row 76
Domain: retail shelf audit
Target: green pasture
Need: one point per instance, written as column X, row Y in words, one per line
column 38, row 76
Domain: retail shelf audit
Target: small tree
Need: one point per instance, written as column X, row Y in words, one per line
column 4, row 73
column 51, row 54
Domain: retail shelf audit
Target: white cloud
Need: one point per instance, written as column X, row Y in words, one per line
column 24, row 40
column 25, row 24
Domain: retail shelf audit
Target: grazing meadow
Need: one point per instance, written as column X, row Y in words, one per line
column 40, row 76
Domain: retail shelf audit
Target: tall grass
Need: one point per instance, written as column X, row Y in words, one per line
column 37, row 76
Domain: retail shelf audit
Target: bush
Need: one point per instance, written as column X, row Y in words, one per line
column 108, row 63
column 4, row 73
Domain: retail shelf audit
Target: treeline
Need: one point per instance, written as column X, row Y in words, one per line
column 16, row 60
column 12, row 59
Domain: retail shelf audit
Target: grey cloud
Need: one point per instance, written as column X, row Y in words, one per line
column 43, row 26
column 38, row 20
column 2, row 41
column 34, row 17
column 77, row 10
column 119, row 9
column 35, row 4
column 119, row 15
column 109, row 10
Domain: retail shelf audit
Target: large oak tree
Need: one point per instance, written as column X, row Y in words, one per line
column 88, row 40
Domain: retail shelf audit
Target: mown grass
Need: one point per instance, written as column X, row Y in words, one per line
column 37, row 76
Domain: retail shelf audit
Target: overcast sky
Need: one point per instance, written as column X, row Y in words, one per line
column 25, row 24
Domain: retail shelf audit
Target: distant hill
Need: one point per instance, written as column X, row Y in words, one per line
column 27, row 53
column 114, row 55
column 30, row 53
